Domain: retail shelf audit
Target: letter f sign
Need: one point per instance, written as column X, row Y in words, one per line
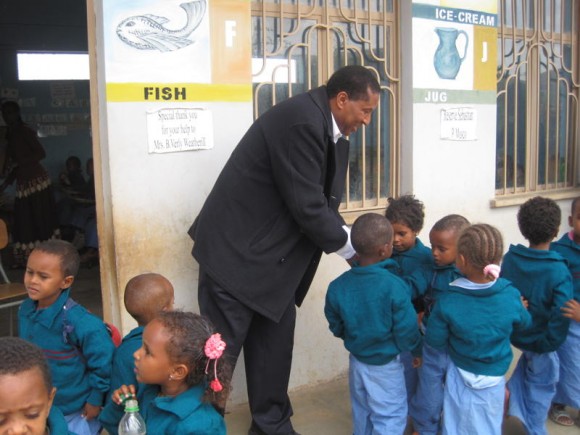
column 230, row 32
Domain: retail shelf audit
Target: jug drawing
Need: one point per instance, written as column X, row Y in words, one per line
column 447, row 60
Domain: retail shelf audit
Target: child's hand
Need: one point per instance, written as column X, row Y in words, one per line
column 571, row 310
column 524, row 302
column 123, row 393
column 417, row 361
column 91, row 412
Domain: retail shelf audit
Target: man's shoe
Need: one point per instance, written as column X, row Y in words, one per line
column 255, row 430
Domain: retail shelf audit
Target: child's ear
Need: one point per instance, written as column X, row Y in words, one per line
column 51, row 397
column 179, row 372
column 67, row 281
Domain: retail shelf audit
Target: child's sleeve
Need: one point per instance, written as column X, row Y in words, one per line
column 419, row 280
column 332, row 313
column 437, row 335
column 97, row 349
column 557, row 328
column 110, row 417
column 524, row 320
column 405, row 326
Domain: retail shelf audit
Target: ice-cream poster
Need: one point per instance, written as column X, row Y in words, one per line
column 454, row 49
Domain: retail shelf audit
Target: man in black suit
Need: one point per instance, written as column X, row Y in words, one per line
column 261, row 232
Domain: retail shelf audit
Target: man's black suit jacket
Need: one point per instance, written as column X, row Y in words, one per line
column 273, row 209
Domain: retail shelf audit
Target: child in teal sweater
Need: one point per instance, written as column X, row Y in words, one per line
column 179, row 370
column 368, row 307
column 473, row 322
column 568, row 388
column 543, row 279
column 407, row 215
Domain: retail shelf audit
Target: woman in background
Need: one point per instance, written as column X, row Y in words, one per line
column 34, row 213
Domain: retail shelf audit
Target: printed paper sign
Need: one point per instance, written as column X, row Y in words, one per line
column 183, row 129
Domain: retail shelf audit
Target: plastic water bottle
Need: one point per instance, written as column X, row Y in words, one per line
column 132, row 423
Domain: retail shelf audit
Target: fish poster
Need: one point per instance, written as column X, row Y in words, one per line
column 162, row 41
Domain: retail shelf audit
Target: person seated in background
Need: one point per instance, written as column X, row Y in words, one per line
column 90, row 255
column 71, row 184
column 72, row 177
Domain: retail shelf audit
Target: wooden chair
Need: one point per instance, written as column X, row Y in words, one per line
column 11, row 293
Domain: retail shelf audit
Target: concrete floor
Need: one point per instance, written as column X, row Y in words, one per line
column 323, row 409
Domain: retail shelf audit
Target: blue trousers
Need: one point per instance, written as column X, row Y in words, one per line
column 532, row 388
column 411, row 374
column 378, row 397
column 81, row 426
column 427, row 404
column 568, row 388
column 469, row 410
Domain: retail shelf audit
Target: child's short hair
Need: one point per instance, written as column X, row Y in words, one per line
column 480, row 245
column 451, row 222
column 575, row 202
column 369, row 231
column 18, row 355
column 146, row 295
column 539, row 219
column 189, row 333
column 406, row 210
column 69, row 256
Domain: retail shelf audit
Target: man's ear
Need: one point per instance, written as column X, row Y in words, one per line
column 341, row 99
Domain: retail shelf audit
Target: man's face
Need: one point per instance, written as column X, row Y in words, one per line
column 351, row 114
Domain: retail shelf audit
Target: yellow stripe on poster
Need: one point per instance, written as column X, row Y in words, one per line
column 185, row 92
column 484, row 58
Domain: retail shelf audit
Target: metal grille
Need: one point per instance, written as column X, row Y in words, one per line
column 537, row 96
column 298, row 44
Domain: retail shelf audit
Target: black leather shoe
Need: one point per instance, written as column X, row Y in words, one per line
column 255, row 430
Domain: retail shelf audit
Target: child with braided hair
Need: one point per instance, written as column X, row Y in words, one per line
column 178, row 368
column 473, row 322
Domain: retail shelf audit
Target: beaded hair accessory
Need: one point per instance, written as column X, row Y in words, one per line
column 492, row 270
column 214, row 348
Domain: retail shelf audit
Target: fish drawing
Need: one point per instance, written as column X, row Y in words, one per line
column 147, row 32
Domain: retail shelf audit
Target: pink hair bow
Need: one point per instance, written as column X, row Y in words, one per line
column 214, row 349
column 492, row 270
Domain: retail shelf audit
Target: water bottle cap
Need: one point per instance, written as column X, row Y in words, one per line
column 131, row 405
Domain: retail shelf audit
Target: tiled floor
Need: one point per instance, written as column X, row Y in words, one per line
column 322, row 409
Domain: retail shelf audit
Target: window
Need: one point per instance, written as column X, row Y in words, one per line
column 537, row 98
column 53, row 66
column 296, row 45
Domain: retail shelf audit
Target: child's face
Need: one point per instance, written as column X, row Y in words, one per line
column 152, row 363
column 574, row 221
column 44, row 278
column 443, row 246
column 403, row 237
column 24, row 403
